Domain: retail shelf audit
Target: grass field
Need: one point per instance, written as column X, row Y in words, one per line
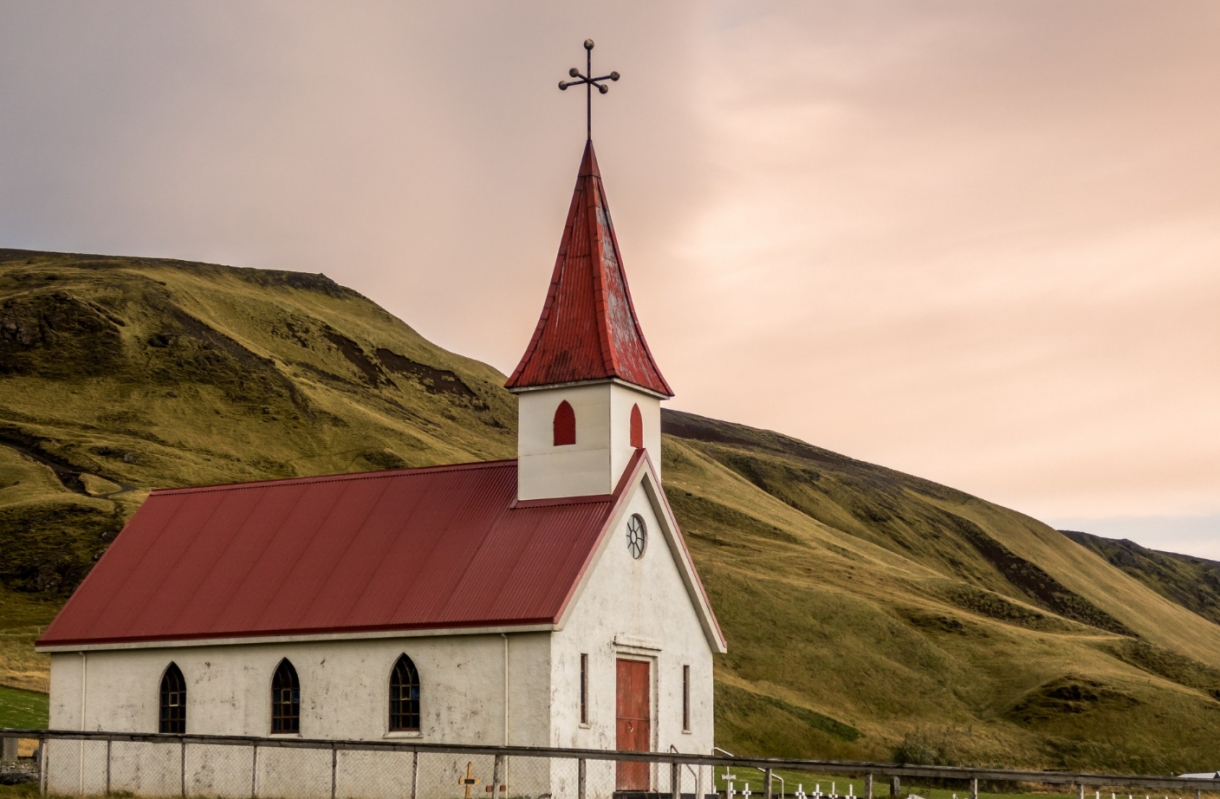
column 866, row 610
column 22, row 709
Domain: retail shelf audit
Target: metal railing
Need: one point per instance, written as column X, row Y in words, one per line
column 768, row 775
column 288, row 767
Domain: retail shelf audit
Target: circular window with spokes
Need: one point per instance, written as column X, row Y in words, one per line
column 637, row 536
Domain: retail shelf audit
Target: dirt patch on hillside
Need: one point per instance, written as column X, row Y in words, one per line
column 57, row 335
column 433, row 380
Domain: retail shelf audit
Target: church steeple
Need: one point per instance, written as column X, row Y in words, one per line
column 588, row 330
column 588, row 390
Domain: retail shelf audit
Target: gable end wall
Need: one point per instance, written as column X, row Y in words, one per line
column 636, row 609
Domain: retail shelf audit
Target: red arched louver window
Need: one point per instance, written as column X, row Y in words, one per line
column 637, row 427
column 564, row 425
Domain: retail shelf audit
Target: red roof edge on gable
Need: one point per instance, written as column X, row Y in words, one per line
column 640, row 462
column 707, row 600
column 588, row 329
column 638, row 458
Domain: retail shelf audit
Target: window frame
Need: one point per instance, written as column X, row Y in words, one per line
column 171, row 715
column 285, row 723
column 563, row 425
column 396, row 701
column 584, row 689
column 685, row 698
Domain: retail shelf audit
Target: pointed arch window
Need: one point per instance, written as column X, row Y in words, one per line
column 637, row 427
column 564, row 426
column 285, row 699
column 404, row 696
column 173, row 701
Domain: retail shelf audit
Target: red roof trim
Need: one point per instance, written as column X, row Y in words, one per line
column 620, row 496
column 291, row 633
column 669, row 511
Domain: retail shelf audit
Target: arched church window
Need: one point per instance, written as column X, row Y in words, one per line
column 637, row 427
column 404, row 696
column 564, row 425
column 173, row 701
column 285, row 699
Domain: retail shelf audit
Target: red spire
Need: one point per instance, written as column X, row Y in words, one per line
column 588, row 329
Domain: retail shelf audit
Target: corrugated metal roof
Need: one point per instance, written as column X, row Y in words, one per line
column 588, row 329
column 425, row 548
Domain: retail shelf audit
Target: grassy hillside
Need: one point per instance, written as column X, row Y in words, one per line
column 118, row 375
column 869, row 613
column 1192, row 582
column 865, row 607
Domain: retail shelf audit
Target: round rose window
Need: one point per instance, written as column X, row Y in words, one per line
column 637, row 535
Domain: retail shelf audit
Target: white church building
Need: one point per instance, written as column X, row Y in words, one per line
column 544, row 601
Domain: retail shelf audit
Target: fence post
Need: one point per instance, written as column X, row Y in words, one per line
column 974, row 788
column 108, row 743
column 868, row 786
column 1080, row 790
column 675, row 780
column 183, row 768
column 767, row 789
column 254, row 772
column 495, row 778
column 581, row 777
column 42, row 765
column 896, row 787
column 334, row 769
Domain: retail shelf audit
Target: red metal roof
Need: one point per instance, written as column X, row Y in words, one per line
column 588, row 329
column 439, row 547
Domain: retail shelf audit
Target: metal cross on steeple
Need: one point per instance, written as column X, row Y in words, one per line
column 589, row 83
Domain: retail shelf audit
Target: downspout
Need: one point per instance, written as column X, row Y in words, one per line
column 506, row 705
column 494, row 794
column 84, row 688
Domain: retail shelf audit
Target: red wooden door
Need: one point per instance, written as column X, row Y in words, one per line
column 634, row 704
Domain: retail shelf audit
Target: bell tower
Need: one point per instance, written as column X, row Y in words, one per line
column 588, row 390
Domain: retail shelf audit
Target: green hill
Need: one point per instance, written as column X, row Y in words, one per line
column 1192, row 582
column 865, row 609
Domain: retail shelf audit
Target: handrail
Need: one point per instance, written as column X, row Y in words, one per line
column 782, row 787
column 691, row 769
column 845, row 767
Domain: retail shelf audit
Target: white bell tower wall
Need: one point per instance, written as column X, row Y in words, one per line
column 592, row 465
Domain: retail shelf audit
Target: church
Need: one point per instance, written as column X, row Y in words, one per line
column 544, row 601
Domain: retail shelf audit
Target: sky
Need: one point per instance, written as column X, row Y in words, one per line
column 976, row 242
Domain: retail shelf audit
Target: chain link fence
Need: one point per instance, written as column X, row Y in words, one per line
column 101, row 764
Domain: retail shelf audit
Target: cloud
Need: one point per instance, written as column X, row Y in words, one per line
column 976, row 242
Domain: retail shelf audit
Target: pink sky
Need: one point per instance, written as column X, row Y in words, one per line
column 976, row 242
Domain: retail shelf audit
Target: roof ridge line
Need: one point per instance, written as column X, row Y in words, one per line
column 330, row 478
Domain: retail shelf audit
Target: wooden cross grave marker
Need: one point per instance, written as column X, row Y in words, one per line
column 469, row 781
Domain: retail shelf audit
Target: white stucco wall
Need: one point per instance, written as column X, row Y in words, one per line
column 635, row 609
column 344, row 687
column 344, row 695
column 602, row 450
